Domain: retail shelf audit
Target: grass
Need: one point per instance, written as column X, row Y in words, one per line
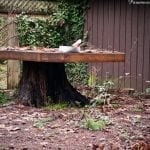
column 3, row 76
column 93, row 124
column 56, row 106
column 3, row 98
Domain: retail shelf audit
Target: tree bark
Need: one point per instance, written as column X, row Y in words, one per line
column 42, row 83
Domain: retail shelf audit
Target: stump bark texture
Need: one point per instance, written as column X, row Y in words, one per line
column 42, row 83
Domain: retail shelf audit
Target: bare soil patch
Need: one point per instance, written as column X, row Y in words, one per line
column 26, row 128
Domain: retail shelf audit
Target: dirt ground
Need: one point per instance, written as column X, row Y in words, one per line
column 26, row 128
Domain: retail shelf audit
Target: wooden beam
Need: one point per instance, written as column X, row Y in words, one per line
column 49, row 56
column 29, row 6
column 13, row 66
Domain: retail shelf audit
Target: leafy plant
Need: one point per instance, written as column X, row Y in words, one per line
column 2, row 33
column 91, row 80
column 77, row 73
column 2, row 21
column 95, row 124
column 103, row 97
column 3, row 98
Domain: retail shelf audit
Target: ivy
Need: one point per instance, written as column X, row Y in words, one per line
column 62, row 27
column 77, row 73
column 2, row 33
column 2, row 22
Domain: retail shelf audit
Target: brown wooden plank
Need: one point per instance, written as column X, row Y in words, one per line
column 122, row 35
column 89, row 25
column 134, row 46
column 140, row 49
column 61, row 57
column 13, row 66
column 128, row 45
column 105, row 67
column 100, row 33
column 95, row 24
column 146, row 44
column 117, row 38
column 131, row 34
column 111, row 35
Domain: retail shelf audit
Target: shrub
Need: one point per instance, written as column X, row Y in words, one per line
column 3, row 98
column 77, row 73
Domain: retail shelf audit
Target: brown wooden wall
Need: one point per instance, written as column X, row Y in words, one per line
column 117, row 25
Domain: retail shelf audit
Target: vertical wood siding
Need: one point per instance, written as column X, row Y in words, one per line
column 117, row 25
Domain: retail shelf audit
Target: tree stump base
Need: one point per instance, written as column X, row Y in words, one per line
column 43, row 82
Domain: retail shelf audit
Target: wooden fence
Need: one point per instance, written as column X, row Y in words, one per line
column 118, row 25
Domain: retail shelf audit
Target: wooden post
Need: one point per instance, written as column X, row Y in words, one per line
column 13, row 66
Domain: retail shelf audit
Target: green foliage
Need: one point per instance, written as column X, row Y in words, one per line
column 103, row 97
column 56, row 106
column 77, row 73
column 2, row 34
column 95, row 124
column 92, row 80
column 63, row 27
column 2, row 21
column 108, row 84
column 3, row 98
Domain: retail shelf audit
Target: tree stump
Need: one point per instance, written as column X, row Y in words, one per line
column 43, row 81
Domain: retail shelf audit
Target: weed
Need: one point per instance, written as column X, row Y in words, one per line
column 42, row 122
column 94, row 124
column 3, row 98
column 56, row 106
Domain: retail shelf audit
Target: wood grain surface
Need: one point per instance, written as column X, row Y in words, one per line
column 53, row 55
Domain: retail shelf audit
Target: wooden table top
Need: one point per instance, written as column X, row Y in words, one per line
column 53, row 55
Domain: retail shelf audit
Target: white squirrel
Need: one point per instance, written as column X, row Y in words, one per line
column 74, row 48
